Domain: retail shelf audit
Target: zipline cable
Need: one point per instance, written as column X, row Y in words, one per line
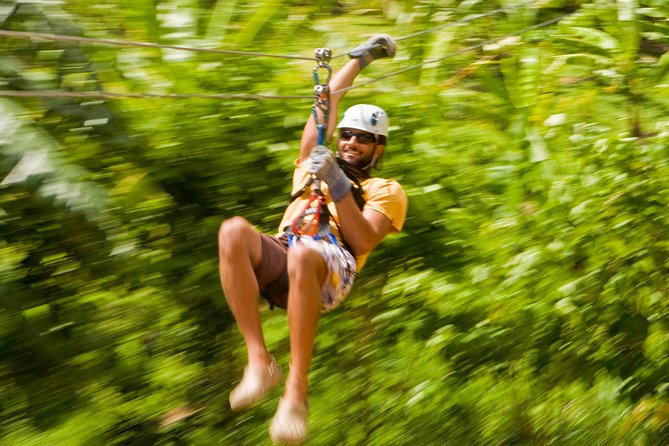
column 115, row 42
column 109, row 95
column 455, row 53
column 106, row 95
column 129, row 43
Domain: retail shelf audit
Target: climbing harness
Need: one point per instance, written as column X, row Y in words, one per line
column 318, row 226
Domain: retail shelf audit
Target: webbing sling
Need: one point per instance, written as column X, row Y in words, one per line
column 319, row 226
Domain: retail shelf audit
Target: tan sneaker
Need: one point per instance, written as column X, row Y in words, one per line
column 289, row 425
column 255, row 384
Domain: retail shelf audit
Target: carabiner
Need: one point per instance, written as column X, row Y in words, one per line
column 323, row 54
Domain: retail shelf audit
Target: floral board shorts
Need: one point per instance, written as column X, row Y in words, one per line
column 273, row 276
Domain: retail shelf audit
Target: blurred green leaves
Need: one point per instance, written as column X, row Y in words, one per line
column 523, row 304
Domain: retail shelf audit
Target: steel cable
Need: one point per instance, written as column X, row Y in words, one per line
column 118, row 42
column 109, row 95
column 115, row 42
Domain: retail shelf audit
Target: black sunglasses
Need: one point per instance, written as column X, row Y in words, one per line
column 363, row 138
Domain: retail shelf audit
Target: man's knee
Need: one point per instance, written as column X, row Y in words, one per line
column 304, row 260
column 235, row 234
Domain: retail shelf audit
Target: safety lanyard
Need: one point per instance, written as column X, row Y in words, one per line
column 318, row 226
column 322, row 93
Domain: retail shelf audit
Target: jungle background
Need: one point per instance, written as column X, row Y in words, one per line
column 524, row 303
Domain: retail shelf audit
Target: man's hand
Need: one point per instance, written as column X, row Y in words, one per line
column 324, row 166
column 377, row 47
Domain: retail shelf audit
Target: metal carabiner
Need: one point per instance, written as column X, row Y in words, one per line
column 321, row 93
column 322, row 66
column 323, row 54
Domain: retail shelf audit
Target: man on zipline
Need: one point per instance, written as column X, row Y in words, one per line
column 310, row 274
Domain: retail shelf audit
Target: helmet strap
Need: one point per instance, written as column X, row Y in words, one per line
column 372, row 163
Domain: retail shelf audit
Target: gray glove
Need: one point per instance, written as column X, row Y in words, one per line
column 325, row 167
column 377, row 47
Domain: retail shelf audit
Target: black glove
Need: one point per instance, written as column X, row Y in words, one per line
column 377, row 47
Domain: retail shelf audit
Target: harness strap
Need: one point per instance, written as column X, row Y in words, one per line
column 316, row 207
column 356, row 190
column 352, row 172
column 319, row 226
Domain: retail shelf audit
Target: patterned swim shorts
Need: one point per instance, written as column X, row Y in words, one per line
column 342, row 270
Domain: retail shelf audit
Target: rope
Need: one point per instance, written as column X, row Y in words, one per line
column 455, row 53
column 62, row 38
column 107, row 95
column 104, row 95
column 116, row 42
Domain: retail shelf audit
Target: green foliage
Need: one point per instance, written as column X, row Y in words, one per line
column 523, row 304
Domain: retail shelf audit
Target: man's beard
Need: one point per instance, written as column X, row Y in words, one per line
column 363, row 163
column 350, row 169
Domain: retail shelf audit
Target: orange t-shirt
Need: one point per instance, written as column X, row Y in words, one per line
column 381, row 195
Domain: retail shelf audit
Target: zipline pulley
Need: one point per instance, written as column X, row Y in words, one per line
column 316, row 207
column 322, row 92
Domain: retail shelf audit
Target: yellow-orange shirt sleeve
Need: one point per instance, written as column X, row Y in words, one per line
column 388, row 198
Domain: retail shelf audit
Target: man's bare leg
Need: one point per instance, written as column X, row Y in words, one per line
column 240, row 250
column 306, row 272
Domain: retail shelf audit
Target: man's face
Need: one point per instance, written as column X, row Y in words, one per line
column 358, row 147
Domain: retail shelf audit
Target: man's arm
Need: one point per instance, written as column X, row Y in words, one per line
column 342, row 79
column 362, row 230
column 366, row 228
column 377, row 47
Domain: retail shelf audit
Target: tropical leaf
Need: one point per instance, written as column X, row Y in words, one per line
column 591, row 37
column 262, row 15
column 219, row 23
column 662, row 67
column 523, row 302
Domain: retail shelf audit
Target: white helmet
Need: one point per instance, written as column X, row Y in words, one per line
column 369, row 118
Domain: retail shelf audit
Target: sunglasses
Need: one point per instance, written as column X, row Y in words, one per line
column 363, row 138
